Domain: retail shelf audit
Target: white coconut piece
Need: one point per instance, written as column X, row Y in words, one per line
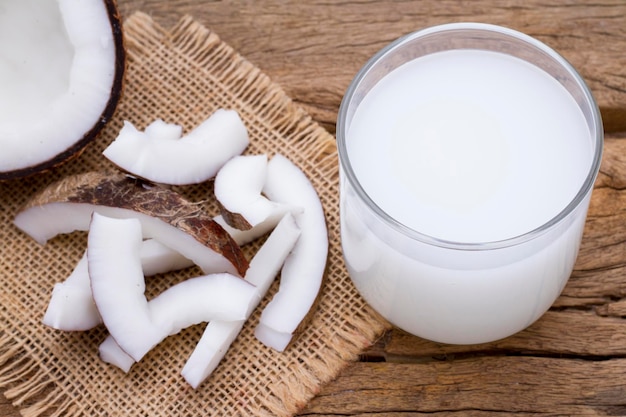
column 237, row 188
column 246, row 213
column 243, row 237
column 110, row 352
column 61, row 76
column 157, row 258
column 303, row 271
column 219, row 335
column 201, row 299
column 117, row 283
column 118, row 287
column 215, row 297
column 155, row 154
column 71, row 306
column 67, row 206
column 72, row 216
column 216, row 339
column 160, row 130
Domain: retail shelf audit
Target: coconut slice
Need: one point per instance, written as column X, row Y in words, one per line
column 156, row 258
column 110, row 352
column 183, row 226
column 200, row 299
column 302, row 273
column 160, row 130
column 117, row 283
column 71, row 306
column 160, row 155
column 238, row 186
column 61, row 72
column 219, row 335
column 242, row 237
column 215, row 297
column 118, row 287
column 222, row 298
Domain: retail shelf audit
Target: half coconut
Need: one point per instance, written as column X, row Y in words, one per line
column 62, row 65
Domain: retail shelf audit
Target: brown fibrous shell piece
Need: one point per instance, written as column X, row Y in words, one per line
column 235, row 220
column 118, row 190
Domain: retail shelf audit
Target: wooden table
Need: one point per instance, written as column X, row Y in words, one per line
column 573, row 360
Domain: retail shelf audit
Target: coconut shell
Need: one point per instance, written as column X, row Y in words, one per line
column 122, row 191
column 234, row 220
column 107, row 113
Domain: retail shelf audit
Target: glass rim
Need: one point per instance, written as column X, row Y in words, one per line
column 585, row 188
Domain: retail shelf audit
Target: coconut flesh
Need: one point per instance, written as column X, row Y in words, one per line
column 68, row 205
column 246, row 213
column 219, row 335
column 71, row 306
column 303, row 270
column 120, row 211
column 117, row 283
column 163, row 155
column 61, row 70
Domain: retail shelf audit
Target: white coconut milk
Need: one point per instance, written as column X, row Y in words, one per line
column 465, row 146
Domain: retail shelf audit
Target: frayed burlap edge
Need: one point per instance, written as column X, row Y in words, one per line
column 29, row 386
column 27, row 377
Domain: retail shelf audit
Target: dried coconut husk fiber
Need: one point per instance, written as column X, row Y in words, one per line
column 181, row 76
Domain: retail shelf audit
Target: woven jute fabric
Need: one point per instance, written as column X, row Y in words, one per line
column 180, row 75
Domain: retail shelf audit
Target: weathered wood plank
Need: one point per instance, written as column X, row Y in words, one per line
column 476, row 386
column 314, row 48
column 613, row 168
column 569, row 332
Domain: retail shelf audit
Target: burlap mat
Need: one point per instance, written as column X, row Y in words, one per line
column 181, row 76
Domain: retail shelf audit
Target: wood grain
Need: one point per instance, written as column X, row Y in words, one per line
column 477, row 387
column 314, row 48
column 573, row 360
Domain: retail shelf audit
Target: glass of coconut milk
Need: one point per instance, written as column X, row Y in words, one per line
column 468, row 154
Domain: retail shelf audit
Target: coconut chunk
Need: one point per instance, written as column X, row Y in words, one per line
column 110, row 352
column 238, row 186
column 159, row 155
column 219, row 335
column 71, row 306
column 215, row 297
column 118, row 287
column 165, row 215
column 61, row 76
column 210, row 350
column 156, row 258
column 303, row 271
column 160, row 130
column 117, row 283
column 200, row 299
column 242, row 237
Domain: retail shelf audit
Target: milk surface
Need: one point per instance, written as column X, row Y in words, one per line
column 470, row 146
